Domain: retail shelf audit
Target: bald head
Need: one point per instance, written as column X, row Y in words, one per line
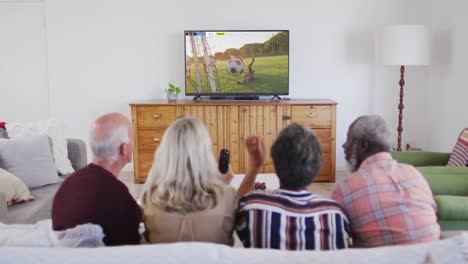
column 109, row 136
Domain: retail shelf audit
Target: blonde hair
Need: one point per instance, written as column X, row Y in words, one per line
column 183, row 176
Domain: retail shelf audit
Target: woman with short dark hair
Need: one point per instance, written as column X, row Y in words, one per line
column 293, row 218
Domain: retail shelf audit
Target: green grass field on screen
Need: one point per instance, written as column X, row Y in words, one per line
column 271, row 76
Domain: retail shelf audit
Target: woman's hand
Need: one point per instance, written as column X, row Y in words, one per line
column 256, row 149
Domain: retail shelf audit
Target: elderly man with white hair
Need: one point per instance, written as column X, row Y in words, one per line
column 93, row 194
column 387, row 203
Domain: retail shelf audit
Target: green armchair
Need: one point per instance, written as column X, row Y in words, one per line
column 449, row 186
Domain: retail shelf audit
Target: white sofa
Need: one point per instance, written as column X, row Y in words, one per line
column 452, row 250
column 41, row 207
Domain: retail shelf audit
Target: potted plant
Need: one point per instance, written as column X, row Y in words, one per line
column 172, row 92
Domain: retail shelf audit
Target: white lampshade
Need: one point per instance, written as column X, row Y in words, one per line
column 405, row 45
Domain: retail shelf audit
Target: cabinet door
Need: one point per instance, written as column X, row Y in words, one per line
column 261, row 120
column 222, row 125
column 321, row 118
column 145, row 161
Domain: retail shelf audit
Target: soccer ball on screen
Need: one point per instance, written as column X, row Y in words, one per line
column 235, row 66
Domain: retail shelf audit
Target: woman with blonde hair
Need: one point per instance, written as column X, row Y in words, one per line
column 185, row 197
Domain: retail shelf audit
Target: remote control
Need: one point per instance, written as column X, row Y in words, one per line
column 224, row 161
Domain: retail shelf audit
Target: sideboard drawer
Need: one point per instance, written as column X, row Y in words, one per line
column 325, row 138
column 324, row 173
column 312, row 116
column 145, row 161
column 155, row 116
column 149, row 139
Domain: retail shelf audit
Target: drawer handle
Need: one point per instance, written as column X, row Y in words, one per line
column 156, row 139
column 156, row 115
column 312, row 115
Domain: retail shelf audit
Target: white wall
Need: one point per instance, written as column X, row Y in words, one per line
column 23, row 62
column 103, row 54
column 448, row 105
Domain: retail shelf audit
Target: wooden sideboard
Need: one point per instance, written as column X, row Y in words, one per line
column 229, row 122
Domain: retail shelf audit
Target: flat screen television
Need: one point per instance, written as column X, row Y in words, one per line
column 236, row 62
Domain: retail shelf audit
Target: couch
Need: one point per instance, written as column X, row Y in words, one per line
column 449, row 186
column 452, row 250
column 40, row 208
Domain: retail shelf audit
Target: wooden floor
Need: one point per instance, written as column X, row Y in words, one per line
column 320, row 188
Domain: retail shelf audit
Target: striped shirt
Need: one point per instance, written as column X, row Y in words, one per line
column 293, row 220
column 388, row 203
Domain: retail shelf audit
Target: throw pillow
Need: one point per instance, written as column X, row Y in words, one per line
column 55, row 131
column 459, row 156
column 30, row 159
column 13, row 188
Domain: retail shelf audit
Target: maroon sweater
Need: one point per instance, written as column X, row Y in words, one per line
column 94, row 195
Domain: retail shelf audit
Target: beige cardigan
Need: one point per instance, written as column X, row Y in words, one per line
column 214, row 225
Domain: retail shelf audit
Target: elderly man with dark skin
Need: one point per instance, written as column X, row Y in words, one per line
column 388, row 203
column 93, row 194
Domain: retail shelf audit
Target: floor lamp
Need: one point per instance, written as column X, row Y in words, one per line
column 404, row 45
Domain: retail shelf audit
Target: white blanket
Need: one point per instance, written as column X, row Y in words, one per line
column 42, row 235
column 453, row 250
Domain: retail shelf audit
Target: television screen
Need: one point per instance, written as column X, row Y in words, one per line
column 237, row 62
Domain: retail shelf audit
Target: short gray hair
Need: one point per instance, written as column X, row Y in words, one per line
column 297, row 156
column 374, row 130
column 108, row 147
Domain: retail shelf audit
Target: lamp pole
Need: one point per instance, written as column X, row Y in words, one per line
column 401, row 106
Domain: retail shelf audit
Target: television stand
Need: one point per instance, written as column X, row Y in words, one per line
column 197, row 97
column 230, row 122
column 276, row 97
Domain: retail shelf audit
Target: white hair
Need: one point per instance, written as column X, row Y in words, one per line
column 374, row 130
column 183, row 176
column 108, row 147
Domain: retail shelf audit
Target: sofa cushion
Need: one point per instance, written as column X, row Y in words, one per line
column 421, row 158
column 452, row 250
column 30, row 159
column 459, row 156
column 448, row 184
column 14, row 189
column 453, row 208
column 451, row 225
column 54, row 130
column 443, row 170
column 34, row 211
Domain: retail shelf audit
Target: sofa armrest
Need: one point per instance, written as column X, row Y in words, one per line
column 454, row 208
column 421, row 159
column 77, row 153
column 3, row 207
